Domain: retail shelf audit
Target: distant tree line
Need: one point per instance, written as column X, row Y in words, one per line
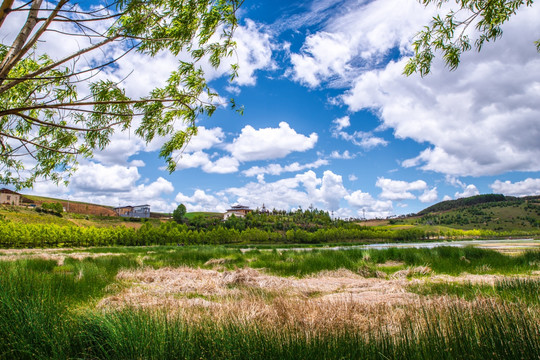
column 464, row 202
column 274, row 220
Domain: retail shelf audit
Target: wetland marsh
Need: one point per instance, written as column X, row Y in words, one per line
column 220, row 303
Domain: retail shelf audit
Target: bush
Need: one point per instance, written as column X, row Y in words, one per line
column 53, row 208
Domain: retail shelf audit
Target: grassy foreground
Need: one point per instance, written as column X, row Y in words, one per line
column 48, row 310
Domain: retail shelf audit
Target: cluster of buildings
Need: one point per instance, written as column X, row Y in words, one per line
column 8, row 197
column 143, row 211
column 138, row 211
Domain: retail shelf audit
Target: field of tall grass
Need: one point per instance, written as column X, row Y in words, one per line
column 49, row 307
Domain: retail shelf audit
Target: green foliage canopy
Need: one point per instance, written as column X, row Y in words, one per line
column 55, row 207
column 47, row 125
column 179, row 214
column 448, row 34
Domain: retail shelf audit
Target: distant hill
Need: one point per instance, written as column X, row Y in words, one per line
column 463, row 202
column 477, row 200
column 76, row 207
column 490, row 211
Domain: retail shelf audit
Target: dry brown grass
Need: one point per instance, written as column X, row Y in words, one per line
column 373, row 222
column 416, row 271
column 185, row 280
column 327, row 300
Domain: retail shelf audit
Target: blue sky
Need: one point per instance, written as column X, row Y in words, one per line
column 330, row 120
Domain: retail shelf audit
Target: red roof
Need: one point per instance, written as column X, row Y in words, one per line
column 7, row 191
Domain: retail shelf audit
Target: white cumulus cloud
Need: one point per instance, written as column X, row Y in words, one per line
column 278, row 169
column 357, row 35
column 398, row 189
column 345, row 155
column 269, row 143
column 526, row 187
column 302, row 190
column 369, row 207
column 94, row 177
column 253, row 52
column 342, row 123
column 470, row 190
column 332, row 190
column 481, row 119
column 429, row 195
column 201, row 201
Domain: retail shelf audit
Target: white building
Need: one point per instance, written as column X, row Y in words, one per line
column 237, row 210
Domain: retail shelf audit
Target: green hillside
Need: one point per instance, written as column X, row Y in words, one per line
column 491, row 212
column 465, row 202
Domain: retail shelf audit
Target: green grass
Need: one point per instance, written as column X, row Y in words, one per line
column 48, row 311
column 442, row 260
column 454, row 260
column 191, row 215
column 48, row 331
column 520, row 290
column 28, row 216
column 76, row 281
column 475, row 333
column 195, row 256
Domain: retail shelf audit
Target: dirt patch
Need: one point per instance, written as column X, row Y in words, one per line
column 373, row 222
column 80, row 208
column 48, row 254
column 31, row 251
column 391, row 263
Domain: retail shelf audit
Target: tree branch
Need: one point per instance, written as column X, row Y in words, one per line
column 5, row 9
column 25, row 141
column 44, row 69
column 20, row 40
column 14, row 111
column 55, row 125
column 98, row 67
column 67, row 19
column 35, row 38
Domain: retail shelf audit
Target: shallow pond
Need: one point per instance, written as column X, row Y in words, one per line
column 505, row 245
